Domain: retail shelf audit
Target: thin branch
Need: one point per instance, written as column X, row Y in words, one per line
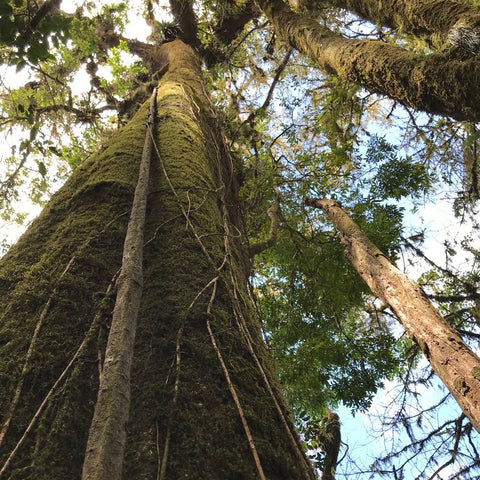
column 468, row 286
column 278, row 73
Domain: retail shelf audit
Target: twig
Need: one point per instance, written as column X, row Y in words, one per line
column 278, row 73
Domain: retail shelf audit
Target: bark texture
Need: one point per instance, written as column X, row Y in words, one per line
column 432, row 83
column 439, row 17
column 331, row 441
column 450, row 357
column 106, row 439
column 197, row 321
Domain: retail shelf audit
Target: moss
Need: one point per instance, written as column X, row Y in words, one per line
column 461, row 386
column 85, row 221
column 181, row 258
column 476, row 372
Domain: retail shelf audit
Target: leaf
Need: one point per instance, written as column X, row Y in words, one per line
column 8, row 30
column 42, row 169
column 55, row 151
column 37, row 52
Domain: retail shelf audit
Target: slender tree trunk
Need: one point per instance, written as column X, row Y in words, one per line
column 451, row 359
column 432, row 83
column 441, row 17
column 204, row 401
column 331, row 441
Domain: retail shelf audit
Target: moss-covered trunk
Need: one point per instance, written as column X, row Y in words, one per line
column 440, row 17
column 433, row 83
column 106, row 439
column 204, row 403
column 451, row 359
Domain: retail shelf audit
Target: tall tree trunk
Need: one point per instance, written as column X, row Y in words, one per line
column 450, row 357
column 204, row 402
column 443, row 18
column 106, row 438
column 433, row 83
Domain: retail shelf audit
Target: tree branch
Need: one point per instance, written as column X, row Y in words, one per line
column 278, row 73
column 273, row 215
column 185, row 18
column 425, row 82
column 47, row 8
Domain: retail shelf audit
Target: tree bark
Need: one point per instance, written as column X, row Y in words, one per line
column 440, row 17
column 432, row 83
column 106, row 438
column 451, row 359
column 331, row 441
column 204, row 400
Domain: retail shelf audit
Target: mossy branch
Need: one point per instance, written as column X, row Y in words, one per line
column 424, row 82
column 273, row 214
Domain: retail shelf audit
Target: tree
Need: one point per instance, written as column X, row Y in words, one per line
column 449, row 356
column 201, row 317
column 202, row 391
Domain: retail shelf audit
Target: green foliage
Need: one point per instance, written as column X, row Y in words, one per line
column 383, row 224
column 84, row 35
column 327, row 350
column 22, row 43
column 329, row 343
column 124, row 75
column 395, row 178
